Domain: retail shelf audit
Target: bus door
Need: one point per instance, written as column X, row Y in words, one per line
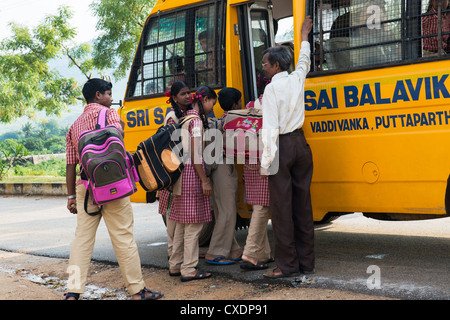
column 256, row 34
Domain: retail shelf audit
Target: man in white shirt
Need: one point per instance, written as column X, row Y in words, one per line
column 290, row 164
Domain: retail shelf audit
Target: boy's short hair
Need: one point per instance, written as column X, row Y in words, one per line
column 91, row 87
column 228, row 97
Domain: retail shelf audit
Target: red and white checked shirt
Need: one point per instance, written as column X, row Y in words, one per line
column 86, row 122
column 430, row 26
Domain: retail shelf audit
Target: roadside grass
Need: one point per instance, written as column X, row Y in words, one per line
column 34, row 179
column 51, row 171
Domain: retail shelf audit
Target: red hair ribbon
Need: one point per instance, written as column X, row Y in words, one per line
column 264, row 81
column 198, row 95
column 167, row 94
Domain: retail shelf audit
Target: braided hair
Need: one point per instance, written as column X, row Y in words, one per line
column 174, row 90
column 202, row 92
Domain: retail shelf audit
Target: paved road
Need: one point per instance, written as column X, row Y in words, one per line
column 407, row 260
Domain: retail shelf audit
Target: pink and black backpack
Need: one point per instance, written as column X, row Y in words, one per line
column 108, row 170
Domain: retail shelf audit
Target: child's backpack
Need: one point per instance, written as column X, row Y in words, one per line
column 242, row 133
column 159, row 159
column 108, row 171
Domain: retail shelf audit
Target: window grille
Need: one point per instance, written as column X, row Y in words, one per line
column 350, row 34
column 186, row 45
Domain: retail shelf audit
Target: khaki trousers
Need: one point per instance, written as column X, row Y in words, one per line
column 257, row 245
column 118, row 217
column 170, row 226
column 224, row 183
column 185, row 249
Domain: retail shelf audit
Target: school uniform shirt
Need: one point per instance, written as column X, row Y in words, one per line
column 164, row 195
column 256, row 188
column 283, row 105
column 86, row 122
column 191, row 206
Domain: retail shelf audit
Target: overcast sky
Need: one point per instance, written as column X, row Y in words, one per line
column 31, row 12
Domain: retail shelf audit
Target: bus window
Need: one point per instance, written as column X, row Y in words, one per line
column 355, row 33
column 260, row 42
column 284, row 36
column 205, row 60
column 436, row 28
column 358, row 33
column 161, row 58
column 168, row 53
column 260, row 36
column 209, row 46
column 285, row 30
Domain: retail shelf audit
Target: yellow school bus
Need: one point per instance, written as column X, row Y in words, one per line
column 376, row 99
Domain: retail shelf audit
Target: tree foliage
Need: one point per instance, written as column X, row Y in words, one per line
column 122, row 22
column 26, row 82
column 10, row 153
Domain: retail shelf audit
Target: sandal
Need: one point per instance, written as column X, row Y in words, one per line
column 220, row 261
column 200, row 275
column 238, row 259
column 68, row 295
column 260, row 265
column 154, row 294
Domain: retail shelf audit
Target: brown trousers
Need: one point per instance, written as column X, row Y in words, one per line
column 290, row 204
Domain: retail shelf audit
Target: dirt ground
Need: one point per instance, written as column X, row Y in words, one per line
column 28, row 277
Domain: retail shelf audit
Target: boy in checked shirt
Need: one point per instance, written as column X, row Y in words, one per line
column 118, row 215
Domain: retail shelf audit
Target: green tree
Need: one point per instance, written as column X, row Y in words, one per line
column 43, row 132
column 10, row 153
column 33, row 144
column 53, row 127
column 56, row 144
column 26, row 82
column 27, row 129
column 10, row 135
column 121, row 22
